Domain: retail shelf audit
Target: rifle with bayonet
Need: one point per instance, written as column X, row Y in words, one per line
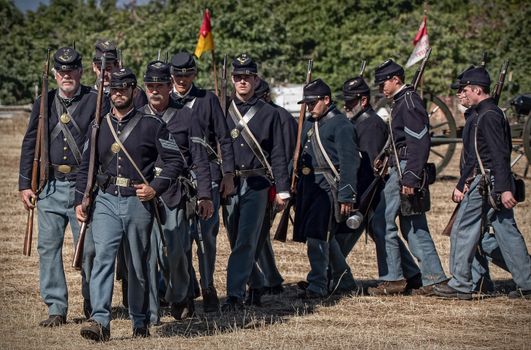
column 282, row 228
column 39, row 170
column 87, row 196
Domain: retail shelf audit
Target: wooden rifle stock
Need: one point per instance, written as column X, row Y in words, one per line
column 448, row 229
column 39, row 170
column 282, row 228
column 302, row 114
column 281, row 232
column 87, row 196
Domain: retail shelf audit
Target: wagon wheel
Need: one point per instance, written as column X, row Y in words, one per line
column 526, row 138
column 443, row 130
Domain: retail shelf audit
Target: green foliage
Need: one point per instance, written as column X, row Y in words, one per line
column 280, row 35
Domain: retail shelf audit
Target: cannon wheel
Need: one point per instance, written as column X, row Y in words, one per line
column 442, row 127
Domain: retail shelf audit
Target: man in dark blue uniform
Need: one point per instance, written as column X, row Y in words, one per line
column 104, row 47
column 266, row 268
column 128, row 145
column 216, row 140
column 71, row 109
column 372, row 134
column 409, row 133
column 326, row 190
column 488, row 249
column 492, row 147
column 179, row 197
column 109, row 49
column 259, row 159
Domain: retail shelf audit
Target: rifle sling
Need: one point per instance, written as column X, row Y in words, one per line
column 212, row 155
column 246, row 133
column 109, row 155
column 168, row 115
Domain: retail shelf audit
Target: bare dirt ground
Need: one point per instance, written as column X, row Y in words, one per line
column 353, row 322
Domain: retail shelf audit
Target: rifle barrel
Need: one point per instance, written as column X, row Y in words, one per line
column 39, row 170
column 302, row 113
column 87, row 196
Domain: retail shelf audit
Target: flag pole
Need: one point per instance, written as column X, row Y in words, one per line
column 215, row 73
column 425, row 5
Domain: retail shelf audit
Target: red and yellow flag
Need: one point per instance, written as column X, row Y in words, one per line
column 206, row 40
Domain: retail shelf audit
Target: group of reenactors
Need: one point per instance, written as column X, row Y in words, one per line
column 169, row 156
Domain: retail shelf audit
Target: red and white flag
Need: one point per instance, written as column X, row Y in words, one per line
column 421, row 44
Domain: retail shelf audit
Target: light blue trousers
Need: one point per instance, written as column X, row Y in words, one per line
column 116, row 218
column 55, row 209
column 465, row 238
column 415, row 231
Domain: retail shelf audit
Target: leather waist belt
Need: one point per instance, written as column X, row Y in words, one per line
column 251, row 172
column 63, row 169
column 123, row 181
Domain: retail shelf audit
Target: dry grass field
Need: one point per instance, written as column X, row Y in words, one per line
column 283, row 322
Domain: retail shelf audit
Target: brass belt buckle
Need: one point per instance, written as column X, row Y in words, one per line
column 122, row 181
column 65, row 169
column 306, row 171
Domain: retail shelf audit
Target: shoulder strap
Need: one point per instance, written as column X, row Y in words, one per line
column 246, row 132
column 122, row 147
column 361, row 118
column 106, row 159
column 168, row 114
column 481, row 167
column 61, row 127
column 323, row 151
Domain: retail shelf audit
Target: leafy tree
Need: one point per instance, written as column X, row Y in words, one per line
column 279, row 35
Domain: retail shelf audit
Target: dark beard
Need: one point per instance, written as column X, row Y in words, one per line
column 124, row 107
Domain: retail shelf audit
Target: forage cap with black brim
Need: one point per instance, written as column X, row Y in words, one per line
column 315, row 90
column 157, row 72
column 354, row 88
column 387, row 70
column 122, row 79
column 66, row 58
